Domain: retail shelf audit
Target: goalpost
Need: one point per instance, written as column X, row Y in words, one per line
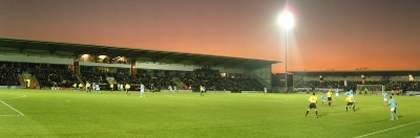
column 370, row 89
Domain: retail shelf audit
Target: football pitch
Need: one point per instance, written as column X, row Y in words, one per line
column 67, row 113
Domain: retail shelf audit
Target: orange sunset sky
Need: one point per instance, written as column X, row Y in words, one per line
column 328, row 34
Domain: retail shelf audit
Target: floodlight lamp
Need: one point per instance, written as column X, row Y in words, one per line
column 85, row 55
column 286, row 20
column 102, row 56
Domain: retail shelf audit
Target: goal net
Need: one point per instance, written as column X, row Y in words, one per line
column 370, row 89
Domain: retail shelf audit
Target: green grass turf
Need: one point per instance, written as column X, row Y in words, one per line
column 69, row 113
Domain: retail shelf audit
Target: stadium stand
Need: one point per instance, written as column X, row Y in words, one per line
column 64, row 64
column 394, row 81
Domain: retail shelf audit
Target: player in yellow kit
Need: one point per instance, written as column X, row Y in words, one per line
column 127, row 87
column 329, row 97
column 111, row 86
column 312, row 105
column 350, row 103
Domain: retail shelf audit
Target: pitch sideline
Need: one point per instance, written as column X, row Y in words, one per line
column 17, row 111
column 388, row 129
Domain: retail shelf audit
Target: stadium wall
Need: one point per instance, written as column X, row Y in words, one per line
column 13, row 57
column 230, row 70
column 182, row 67
column 263, row 75
column 104, row 65
column 165, row 66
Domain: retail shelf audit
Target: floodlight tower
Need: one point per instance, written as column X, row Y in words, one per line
column 286, row 21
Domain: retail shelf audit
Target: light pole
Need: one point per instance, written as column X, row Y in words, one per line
column 286, row 21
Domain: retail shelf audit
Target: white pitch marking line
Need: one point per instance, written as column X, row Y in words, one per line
column 17, row 111
column 392, row 128
column 9, row 115
column 21, row 96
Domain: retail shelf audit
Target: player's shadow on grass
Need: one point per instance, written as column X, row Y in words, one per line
column 322, row 114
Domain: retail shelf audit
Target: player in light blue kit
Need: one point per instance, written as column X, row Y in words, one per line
column 97, row 88
column 324, row 98
column 351, row 93
column 393, row 105
column 142, row 90
column 346, row 93
column 265, row 90
column 385, row 95
column 337, row 93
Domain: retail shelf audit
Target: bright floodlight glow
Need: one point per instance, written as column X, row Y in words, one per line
column 286, row 20
column 85, row 55
column 102, row 56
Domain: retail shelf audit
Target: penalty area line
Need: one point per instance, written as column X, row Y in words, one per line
column 388, row 129
column 17, row 111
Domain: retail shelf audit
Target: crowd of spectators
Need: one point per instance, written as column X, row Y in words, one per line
column 93, row 77
column 9, row 76
column 124, row 77
column 403, row 85
column 54, row 76
column 209, row 79
column 47, row 75
column 50, row 75
column 212, row 80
